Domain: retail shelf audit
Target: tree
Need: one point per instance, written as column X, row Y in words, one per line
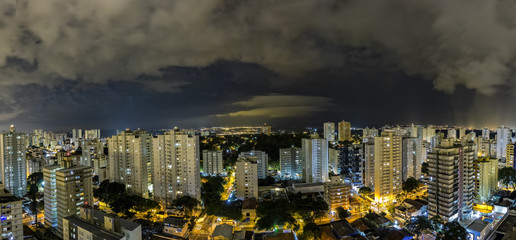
column 452, row 231
column 424, row 168
column 437, row 222
column 211, row 191
column 365, row 191
column 343, row 213
column 410, row 185
column 400, row 197
column 308, row 207
column 272, row 213
column 186, row 203
column 507, row 175
column 312, row 231
column 268, row 181
column 419, row 226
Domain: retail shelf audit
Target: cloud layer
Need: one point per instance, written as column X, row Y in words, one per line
column 49, row 43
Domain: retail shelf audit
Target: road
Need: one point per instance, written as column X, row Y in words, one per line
column 203, row 228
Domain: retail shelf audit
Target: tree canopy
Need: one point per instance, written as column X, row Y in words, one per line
column 507, row 176
column 365, row 191
column 343, row 213
column 452, row 231
column 274, row 213
column 114, row 194
column 419, row 226
column 410, row 185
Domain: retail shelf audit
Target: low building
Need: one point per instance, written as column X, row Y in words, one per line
column 395, row 234
column 12, row 215
column 336, row 193
column 94, row 224
column 177, row 226
column 480, row 228
column 338, row 230
column 222, row 232
column 249, row 210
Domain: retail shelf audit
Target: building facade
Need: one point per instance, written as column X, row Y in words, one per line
column 451, row 180
column 388, row 166
column 336, row 193
column 315, row 157
column 13, row 162
column 329, row 131
column 246, row 178
column 12, row 215
column 411, row 160
column 130, row 158
column 345, row 131
column 291, row 163
column 176, row 166
column 262, row 160
column 487, row 178
column 212, row 162
column 503, row 137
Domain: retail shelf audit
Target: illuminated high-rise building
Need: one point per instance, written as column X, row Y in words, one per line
column 92, row 134
column 487, row 178
column 412, row 154
column 130, row 157
column 315, row 157
column 212, row 162
column 329, row 131
column 76, row 133
column 291, row 163
column 246, row 178
column 451, row 184
column 368, row 133
column 388, row 166
column 176, row 166
column 345, row 131
column 13, row 162
column 369, row 165
column 509, row 156
column 12, row 215
column 262, row 160
column 485, row 134
column 503, row 137
column 67, row 188
column 333, row 160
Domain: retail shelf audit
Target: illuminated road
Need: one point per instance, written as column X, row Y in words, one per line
column 228, row 187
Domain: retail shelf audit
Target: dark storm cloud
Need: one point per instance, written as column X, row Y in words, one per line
column 133, row 42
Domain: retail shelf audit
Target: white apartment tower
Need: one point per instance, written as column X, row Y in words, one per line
column 369, row 165
column 412, row 154
column 503, row 137
column 130, row 160
column 66, row 190
column 388, row 166
column 212, row 162
column 329, row 131
column 315, row 157
column 176, row 166
column 262, row 160
column 291, row 163
column 13, row 162
column 246, row 178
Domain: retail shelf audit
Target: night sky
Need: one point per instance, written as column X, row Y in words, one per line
column 291, row 63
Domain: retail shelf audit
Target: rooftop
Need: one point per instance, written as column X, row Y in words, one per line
column 249, row 203
column 478, row 225
column 98, row 232
column 224, row 230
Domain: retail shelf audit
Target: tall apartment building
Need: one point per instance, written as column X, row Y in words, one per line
column 212, row 162
column 315, row 157
column 262, row 160
column 76, row 133
column 333, row 160
column 93, row 154
column 291, row 162
column 412, row 154
column 487, row 178
column 368, row 133
column 336, row 193
column 345, row 131
column 176, row 166
column 130, row 156
column 246, row 177
column 92, row 134
column 66, row 189
column 388, row 166
column 351, row 162
column 484, row 147
column 329, row 131
column 12, row 215
column 451, row 180
column 509, row 156
column 485, row 134
column 13, row 162
column 369, row 164
column 93, row 224
column 503, row 137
